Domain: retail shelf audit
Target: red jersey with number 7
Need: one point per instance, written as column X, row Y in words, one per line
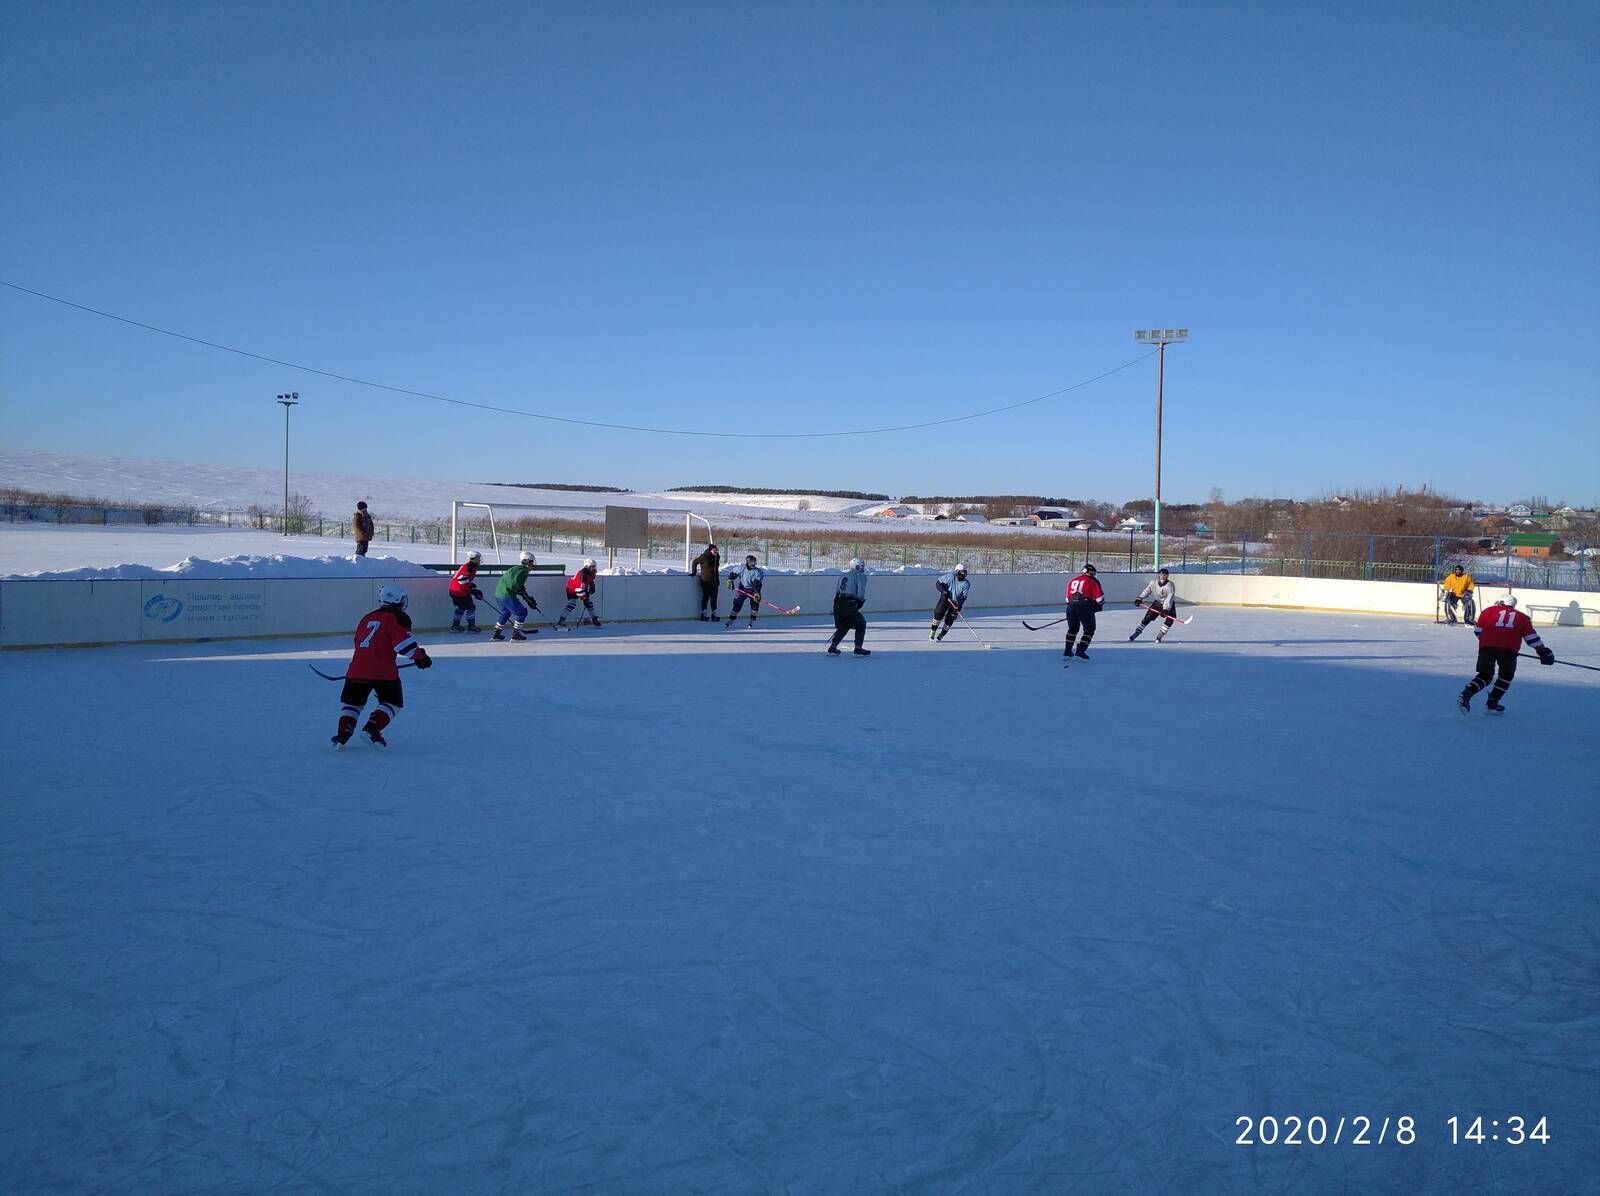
column 1506, row 628
column 379, row 636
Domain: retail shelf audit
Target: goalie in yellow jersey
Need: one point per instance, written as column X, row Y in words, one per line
column 1458, row 587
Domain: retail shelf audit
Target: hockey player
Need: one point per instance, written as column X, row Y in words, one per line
column 464, row 592
column 848, row 600
column 511, row 593
column 706, row 569
column 1458, row 587
column 1162, row 602
column 1501, row 630
column 745, row 583
column 1084, row 599
column 953, row 589
column 381, row 635
column 579, row 588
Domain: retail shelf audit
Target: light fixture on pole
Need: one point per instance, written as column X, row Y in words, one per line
column 288, row 401
column 1160, row 338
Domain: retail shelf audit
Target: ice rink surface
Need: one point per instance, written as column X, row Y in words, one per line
column 673, row 909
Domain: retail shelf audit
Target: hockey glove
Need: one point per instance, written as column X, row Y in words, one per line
column 1546, row 656
column 476, row 592
column 421, row 659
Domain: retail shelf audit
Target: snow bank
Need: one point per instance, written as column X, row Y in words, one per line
column 228, row 568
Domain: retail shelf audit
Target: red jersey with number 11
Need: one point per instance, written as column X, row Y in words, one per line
column 379, row 635
column 1506, row 628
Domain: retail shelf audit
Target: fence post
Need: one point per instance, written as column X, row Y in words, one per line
column 1244, row 550
column 1305, row 564
column 905, row 555
column 1372, row 552
column 1012, row 557
column 1130, row 550
column 1438, row 567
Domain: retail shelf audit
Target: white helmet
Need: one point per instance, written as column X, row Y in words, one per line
column 857, row 563
column 588, row 562
column 961, row 566
column 474, row 556
column 1509, row 600
column 527, row 557
column 392, row 596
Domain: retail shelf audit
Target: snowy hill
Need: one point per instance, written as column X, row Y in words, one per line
column 237, row 488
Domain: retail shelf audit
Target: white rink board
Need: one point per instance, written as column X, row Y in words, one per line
column 51, row 613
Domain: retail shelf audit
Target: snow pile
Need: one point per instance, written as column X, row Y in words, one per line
column 228, row 568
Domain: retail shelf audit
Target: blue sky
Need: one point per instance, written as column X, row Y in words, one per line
column 1380, row 221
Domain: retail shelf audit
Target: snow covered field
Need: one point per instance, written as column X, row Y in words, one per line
column 668, row 909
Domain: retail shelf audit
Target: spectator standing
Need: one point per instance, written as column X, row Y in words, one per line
column 361, row 524
column 707, row 571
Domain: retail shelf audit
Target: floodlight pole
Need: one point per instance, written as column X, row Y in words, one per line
column 288, row 401
column 1161, row 338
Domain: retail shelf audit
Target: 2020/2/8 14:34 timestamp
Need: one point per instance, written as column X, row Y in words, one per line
column 1514, row 1130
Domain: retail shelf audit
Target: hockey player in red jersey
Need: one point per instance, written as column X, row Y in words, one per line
column 464, row 592
column 579, row 587
column 381, row 635
column 1084, row 599
column 1501, row 630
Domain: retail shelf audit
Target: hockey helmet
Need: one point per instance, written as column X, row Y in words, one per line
column 588, row 562
column 475, row 556
column 1090, row 569
column 1163, row 573
column 1509, row 600
column 961, row 568
column 392, row 596
column 750, row 560
column 857, row 563
column 527, row 558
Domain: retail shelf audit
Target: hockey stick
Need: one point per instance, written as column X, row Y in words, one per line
column 970, row 628
column 1042, row 626
column 1571, row 664
column 1162, row 613
column 757, row 599
column 330, row 677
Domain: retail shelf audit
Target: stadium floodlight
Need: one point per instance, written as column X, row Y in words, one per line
column 288, row 400
column 1160, row 338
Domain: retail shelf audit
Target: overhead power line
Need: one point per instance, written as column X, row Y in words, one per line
column 567, row 419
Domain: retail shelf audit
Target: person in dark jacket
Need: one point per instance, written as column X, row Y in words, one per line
column 706, row 570
column 361, row 524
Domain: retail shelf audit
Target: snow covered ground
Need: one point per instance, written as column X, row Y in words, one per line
column 677, row 909
column 236, row 488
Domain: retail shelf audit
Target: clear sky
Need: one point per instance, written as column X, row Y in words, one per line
column 1381, row 222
